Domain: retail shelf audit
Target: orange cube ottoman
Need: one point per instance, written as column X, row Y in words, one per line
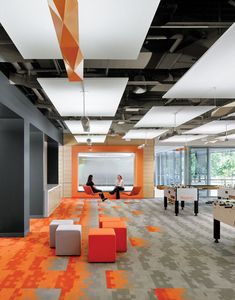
column 108, row 219
column 101, row 245
column 121, row 234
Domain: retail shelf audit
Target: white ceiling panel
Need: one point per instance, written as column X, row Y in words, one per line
column 109, row 29
column 96, row 127
column 102, row 95
column 144, row 133
column 94, row 138
column 30, row 26
column 212, row 76
column 229, row 137
column 213, row 127
column 171, row 116
column 183, row 138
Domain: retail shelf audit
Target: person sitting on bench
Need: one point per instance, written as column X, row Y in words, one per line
column 94, row 189
column 118, row 187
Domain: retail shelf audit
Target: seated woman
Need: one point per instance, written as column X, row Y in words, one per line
column 94, row 189
column 118, row 187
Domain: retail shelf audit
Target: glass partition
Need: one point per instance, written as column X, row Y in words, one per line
column 105, row 166
column 169, row 167
column 206, row 166
column 198, row 166
column 222, row 166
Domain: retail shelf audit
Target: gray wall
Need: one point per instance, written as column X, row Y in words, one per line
column 12, row 177
column 17, row 102
column 36, row 172
column 16, row 115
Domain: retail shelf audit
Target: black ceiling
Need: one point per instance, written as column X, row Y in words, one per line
column 180, row 33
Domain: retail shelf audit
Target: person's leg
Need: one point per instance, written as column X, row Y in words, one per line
column 117, row 193
column 113, row 191
column 118, row 189
column 101, row 194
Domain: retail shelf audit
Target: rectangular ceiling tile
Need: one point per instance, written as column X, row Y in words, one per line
column 212, row 76
column 213, row 127
column 94, row 138
column 102, row 95
column 96, row 127
column 108, row 29
column 184, row 138
column 144, row 133
column 171, row 116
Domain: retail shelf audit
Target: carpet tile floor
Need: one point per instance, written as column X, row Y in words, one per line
column 168, row 257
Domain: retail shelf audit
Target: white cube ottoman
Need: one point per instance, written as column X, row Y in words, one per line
column 68, row 239
column 53, row 226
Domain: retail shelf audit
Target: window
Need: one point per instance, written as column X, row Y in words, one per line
column 169, row 168
column 105, row 167
column 198, row 166
column 222, row 166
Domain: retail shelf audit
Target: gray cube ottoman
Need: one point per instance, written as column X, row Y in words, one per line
column 68, row 239
column 53, row 226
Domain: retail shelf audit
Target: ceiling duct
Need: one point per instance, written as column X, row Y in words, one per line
column 25, row 80
column 178, row 39
column 231, row 2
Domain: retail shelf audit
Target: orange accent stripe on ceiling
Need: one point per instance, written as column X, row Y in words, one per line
column 64, row 14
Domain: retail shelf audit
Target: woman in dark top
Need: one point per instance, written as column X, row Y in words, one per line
column 94, row 189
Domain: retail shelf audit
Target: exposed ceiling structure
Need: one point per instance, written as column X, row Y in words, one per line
column 151, row 53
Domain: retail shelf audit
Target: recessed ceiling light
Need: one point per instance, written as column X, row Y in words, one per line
column 121, row 122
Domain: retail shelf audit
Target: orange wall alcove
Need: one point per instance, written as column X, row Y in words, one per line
column 138, row 175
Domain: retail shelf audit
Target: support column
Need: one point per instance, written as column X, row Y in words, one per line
column 13, row 174
column 36, row 173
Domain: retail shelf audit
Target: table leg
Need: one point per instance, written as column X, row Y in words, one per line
column 196, row 207
column 216, row 230
column 176, row 207
column 165, row 202
column 182, row 204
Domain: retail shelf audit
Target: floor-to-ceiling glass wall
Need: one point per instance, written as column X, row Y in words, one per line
column 169, row 167
column 198, row 161
column 222, row 166
column 212, row 166
column 207, row 166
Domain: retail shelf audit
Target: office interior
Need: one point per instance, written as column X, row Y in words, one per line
column 141, row 89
